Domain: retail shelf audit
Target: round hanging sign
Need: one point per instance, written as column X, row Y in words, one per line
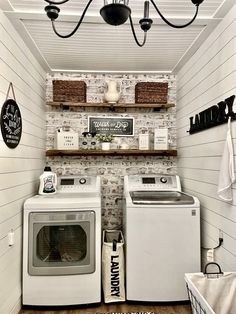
column 11, row 123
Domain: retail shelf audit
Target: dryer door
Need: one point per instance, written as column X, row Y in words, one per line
column 61, row 243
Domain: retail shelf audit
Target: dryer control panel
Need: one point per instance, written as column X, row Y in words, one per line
column 152, row 183
column 77, row 184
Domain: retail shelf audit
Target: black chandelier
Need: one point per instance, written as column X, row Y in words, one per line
column 116, row 13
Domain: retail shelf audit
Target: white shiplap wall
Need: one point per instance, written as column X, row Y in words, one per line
column 207, row 78
column 19, row 167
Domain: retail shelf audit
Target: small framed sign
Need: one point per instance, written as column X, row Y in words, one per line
column 11, row 123
column 118, row 126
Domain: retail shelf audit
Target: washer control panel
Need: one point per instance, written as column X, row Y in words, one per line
column 152, row 183
column 76, row 184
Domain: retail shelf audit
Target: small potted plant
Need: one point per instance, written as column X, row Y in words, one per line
column 105, row 140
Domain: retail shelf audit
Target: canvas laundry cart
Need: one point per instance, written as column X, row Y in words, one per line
column 212, row 292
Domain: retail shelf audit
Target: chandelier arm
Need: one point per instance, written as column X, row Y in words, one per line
column 57, row 2
column 134, row 34
column 173, row 25
column 77, row 26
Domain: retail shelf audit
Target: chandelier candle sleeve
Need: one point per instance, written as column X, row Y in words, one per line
column 146, row 9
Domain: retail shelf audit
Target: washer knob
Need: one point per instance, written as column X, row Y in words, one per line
column 163, row 180
column 82, row 181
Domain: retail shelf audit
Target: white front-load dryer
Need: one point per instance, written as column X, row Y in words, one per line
column 62, row 245
column 162, row 236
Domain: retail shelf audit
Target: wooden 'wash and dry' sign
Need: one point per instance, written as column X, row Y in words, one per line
column 11, row 121
column 118, row 126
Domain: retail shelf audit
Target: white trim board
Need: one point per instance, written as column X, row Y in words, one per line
column 96, row 18
column 196, row 44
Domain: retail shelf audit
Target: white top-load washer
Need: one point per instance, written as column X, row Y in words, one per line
column 162, row 235
column 62, row 244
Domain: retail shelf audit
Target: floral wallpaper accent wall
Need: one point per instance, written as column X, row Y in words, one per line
column 112, row 169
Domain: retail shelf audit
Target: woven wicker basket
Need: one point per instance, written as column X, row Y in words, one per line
column 69, row 91
column 151, row 92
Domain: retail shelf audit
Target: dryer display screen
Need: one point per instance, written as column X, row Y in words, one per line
column 67, row 181
column 148, row 180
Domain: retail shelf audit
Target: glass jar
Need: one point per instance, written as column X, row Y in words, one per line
column 84, row 141
column 93, row 141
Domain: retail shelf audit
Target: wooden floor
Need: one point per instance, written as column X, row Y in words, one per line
column 119, row 308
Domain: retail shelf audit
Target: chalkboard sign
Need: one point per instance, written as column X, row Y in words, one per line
column 11, row 123
column 118, row 126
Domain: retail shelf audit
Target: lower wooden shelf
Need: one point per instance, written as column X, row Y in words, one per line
column 117, row 152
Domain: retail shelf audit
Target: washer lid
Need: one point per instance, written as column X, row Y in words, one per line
column 161, row 198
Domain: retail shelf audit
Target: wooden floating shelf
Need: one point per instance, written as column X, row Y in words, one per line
column 119, row 152
column 108, row 105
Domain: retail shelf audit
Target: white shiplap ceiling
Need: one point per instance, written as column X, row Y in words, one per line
column 100, row 47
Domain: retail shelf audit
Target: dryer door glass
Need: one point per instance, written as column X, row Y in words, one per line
column 62, row 243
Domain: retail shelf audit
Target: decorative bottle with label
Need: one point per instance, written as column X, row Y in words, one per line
column 144, row 141
column 48, row 182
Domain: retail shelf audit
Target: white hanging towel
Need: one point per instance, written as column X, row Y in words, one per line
column 227, row 176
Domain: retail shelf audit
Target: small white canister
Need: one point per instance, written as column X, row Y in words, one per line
column 66, row 139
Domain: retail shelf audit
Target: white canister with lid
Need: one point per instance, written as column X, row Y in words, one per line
column 48, row 182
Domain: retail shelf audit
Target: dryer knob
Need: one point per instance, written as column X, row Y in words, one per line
column 82, row 181
column 163, row 180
